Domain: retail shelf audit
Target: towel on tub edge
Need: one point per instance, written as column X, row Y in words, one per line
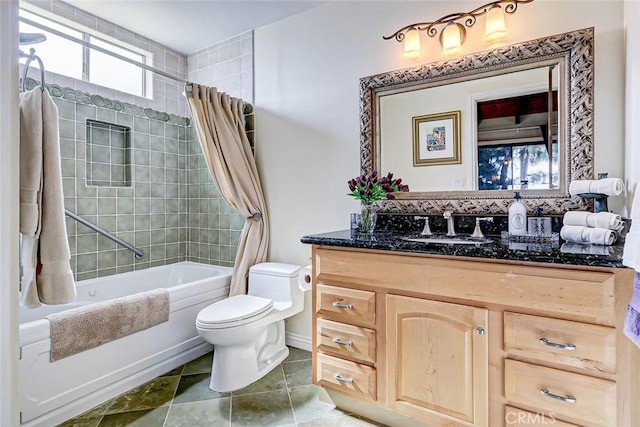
column 82, row 328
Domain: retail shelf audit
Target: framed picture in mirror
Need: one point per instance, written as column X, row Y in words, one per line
column 436, row 139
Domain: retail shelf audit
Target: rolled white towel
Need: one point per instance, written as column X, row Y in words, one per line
column 607, row 220
column 580, row 234
column 585, row 248
column 608, row 186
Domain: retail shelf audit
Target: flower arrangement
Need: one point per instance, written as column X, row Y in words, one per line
column 369, row 188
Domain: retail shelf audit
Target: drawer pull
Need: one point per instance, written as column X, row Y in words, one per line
column 338, row 341
column 555, row 345
column 568, row 399
column 338, row 378
column 338, row 304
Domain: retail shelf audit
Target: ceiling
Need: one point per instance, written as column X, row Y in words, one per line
column 190, row 25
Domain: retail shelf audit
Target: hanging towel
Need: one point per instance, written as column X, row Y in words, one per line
column 47, row 276
column 579, row 234
column 632, row 322
column 608, row 220
column 608, row 186
column 631, row 254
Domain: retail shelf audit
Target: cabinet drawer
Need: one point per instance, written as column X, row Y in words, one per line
column 567, row 394
column 349, row 341
column 521, row 418
column 345, row 304
column 568, row 343
column 346, row 377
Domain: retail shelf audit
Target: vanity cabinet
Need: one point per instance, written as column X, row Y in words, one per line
column 436, row 356
column 451, row 341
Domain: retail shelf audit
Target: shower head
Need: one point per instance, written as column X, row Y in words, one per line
column 32, row 38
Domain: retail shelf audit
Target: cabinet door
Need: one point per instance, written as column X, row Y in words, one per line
column 437, row 361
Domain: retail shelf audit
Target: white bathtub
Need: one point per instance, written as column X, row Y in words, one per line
column 52, row 392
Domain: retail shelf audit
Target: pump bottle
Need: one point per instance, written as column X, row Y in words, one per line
column 517, row 217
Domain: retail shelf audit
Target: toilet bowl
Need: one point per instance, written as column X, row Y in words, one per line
column 247, row 331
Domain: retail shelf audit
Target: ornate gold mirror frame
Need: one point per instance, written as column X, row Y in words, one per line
column 574, row 48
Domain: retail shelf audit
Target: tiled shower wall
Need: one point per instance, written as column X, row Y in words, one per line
column 171, row 210
column 151, row 213
column 198, row 224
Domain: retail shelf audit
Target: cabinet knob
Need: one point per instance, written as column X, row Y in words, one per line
column 480, row 330
column 555, row 345
column 568, row 399
column 338, row 304
column 338, row 378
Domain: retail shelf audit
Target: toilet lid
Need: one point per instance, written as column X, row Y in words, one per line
column 234, row 310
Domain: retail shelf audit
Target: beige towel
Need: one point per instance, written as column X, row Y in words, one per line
column 82, row 328
column 47, row 276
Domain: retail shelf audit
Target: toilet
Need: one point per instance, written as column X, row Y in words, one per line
column 247, row 331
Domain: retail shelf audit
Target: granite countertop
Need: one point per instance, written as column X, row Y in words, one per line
column 499, row 249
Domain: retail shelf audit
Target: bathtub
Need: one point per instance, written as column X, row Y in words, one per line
column 52, row 392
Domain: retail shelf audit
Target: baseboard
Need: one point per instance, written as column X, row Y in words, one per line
column 298, row 341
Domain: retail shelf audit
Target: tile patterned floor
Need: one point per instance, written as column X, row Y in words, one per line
column 181, row 398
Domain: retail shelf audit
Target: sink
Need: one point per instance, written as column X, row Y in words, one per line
column 449, row 240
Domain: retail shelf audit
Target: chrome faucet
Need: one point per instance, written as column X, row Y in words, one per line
column 478, row 231
column 426, row 231
column 448, row 215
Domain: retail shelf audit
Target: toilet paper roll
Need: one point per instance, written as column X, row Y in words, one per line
column 304, row 278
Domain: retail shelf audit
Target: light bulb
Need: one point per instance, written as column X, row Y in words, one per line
column 494, row 24
column 452, row 37
column 412, row 44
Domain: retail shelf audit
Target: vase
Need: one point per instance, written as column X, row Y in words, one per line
column 368, row 217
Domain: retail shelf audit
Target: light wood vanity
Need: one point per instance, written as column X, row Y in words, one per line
column 455, row 341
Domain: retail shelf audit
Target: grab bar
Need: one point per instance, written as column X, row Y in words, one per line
column 139, row 253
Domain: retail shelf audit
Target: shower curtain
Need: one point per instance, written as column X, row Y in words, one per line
column 219, row 124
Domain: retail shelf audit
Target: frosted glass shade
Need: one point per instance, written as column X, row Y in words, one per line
column 451, row 38
column 412, row 44
column 494, row 24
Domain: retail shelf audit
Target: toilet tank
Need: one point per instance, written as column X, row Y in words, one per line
column 274, row 280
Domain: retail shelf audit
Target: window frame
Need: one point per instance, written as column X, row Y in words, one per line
column 146, row 57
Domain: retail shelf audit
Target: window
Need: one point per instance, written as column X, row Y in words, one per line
column 68, row 58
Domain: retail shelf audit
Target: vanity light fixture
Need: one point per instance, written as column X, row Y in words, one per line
column 452, row 33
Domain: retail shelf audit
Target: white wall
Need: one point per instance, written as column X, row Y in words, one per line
column 9, row 202
column 306, row 96
column 632, row 107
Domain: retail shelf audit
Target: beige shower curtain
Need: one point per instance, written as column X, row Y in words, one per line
column 219, row 123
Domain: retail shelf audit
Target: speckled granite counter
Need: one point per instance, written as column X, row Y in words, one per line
column 586, row 255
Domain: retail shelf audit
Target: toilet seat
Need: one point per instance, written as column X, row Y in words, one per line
column 234, row 311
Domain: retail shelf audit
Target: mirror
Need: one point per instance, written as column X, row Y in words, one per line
column 464, row 133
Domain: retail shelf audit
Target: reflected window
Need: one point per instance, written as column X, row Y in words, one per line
column 518, row 143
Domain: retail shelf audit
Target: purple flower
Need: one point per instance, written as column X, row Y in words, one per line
column 369, row 188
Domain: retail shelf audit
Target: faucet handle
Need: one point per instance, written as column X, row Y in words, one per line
column 426, row 231
column 477, row 232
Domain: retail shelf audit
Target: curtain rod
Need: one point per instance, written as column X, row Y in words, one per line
column 103, row 50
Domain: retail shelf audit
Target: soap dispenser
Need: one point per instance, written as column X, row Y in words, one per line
column 517, row 217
